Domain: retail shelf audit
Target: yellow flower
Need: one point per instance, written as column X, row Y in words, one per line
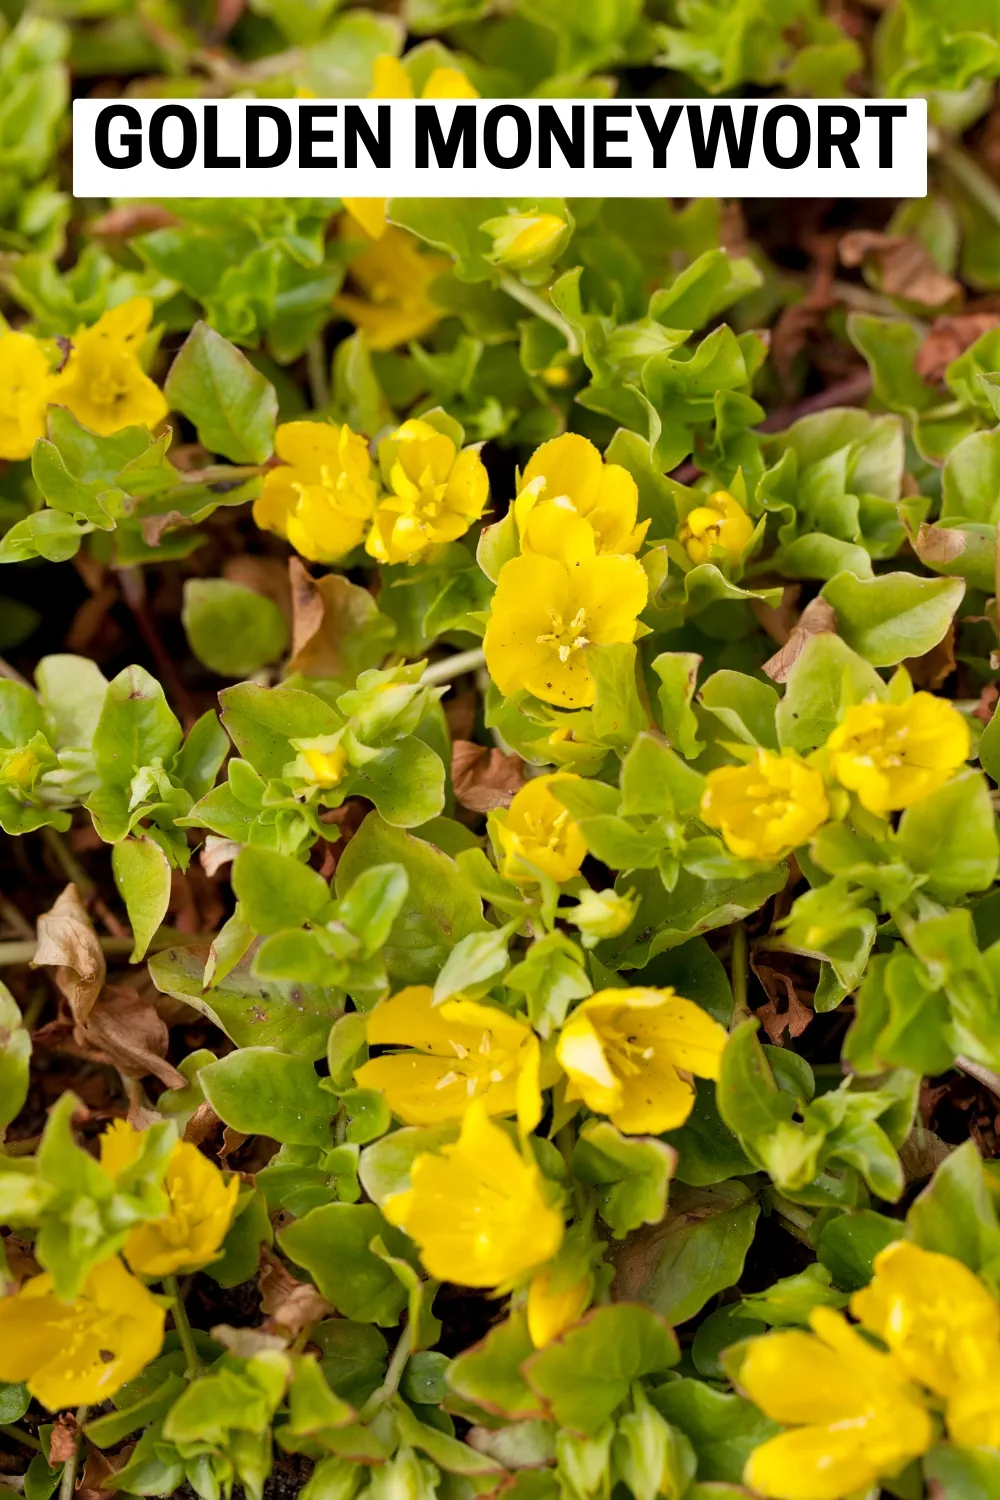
column 553, row 1308
column 973, row 1411
column 630, row 1054
column 462, row 1051
column 928, row 1309
column 102, row 381
column 854, row 1417
column 722, row 522
column 537, row 830
column 322, row 496
column 79, row 1352
column 765, row 809
column 896, row 754
column 435, row 492
column 478, row 1210
column 523, row 240
column 390, row 80
column 201, row 1206
column 550, row 615
column 570, row 472
column 392, row 303
column 25, row 382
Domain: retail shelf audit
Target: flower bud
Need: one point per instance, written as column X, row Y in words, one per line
column 602, row 914
column 522, row 240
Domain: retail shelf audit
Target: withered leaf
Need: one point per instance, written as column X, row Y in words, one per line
column 325, row 613
column 904, row 266
column 484, row 779
column 290, row 1305
column 67, row 941
column 948, row 338
column 818, row 618
column 121, row 1030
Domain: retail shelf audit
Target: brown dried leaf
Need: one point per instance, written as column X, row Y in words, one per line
column 65, row 1436
column 133, row 218
column 484, row 779
column 936, row 665
column 290, row 1305
column 203, row 1123
column 784, row 1010
column 904, row 266
column 67, row 941
column 122, row 1031
column 99, row 1469
column 939, row 544
column 154, row 527
column 947, row 339
column 325, row 611
column 21, row 1263
column 217, row 853
column 818, row 618
column 922, row 1153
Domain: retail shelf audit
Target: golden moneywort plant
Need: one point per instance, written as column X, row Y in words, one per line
column 515, row 719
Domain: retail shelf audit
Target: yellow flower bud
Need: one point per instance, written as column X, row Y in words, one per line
column 720, row 523
column 523, row 240
column 765, row 809
column 895, row 754
column 326, row 766
column 553, row 1308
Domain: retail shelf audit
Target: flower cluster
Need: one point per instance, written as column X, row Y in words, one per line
column 889, row 755
column 83, row 1350
column 576, row 585
column 327, row 498
column 859, row 1411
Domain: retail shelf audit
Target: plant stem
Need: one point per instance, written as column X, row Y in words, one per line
column 450, row 667
column 393, row 1375
column 22, row 951
column 970, row 175
column 541, row 308
column 18, row 1435
column 183, row 1326
column 981, row 1074
column 68, row 862
column 738, row 969
column 67, row 1484
column 319, row 385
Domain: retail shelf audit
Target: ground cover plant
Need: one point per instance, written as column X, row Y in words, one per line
column 498, row 776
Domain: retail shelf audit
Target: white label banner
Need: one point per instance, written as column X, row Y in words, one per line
column 489, row 148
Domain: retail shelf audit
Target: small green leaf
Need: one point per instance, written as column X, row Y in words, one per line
column 276, row 891
column 231, row 629
column 332, row 1244
column 586, row 1374
column 263, row 1092
column 233, row 407
column 895, row 616
column 142, row 875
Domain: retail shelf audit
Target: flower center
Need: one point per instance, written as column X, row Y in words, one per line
column 565, row 636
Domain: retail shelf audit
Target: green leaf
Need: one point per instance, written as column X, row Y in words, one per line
column 276, row 891
column 698, row 1250
column 253, row 1012
column 136, row 727
column 332, row 1244
column 441, row 906
column 895, row 616
column 260, row 1091
column 584, row 1375
column 678, row 674
column 142, row 875
column 849, row 1242
column 952, row 838
column 473, row 964
column 963, row 1473
column 723, row 1429
column 956, row 1214
column 261, row 722
column 631, row 1174
column 827, row 678
column 232, row 406
column 231, row 629
column 489, row 1373
column 15, row 1060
